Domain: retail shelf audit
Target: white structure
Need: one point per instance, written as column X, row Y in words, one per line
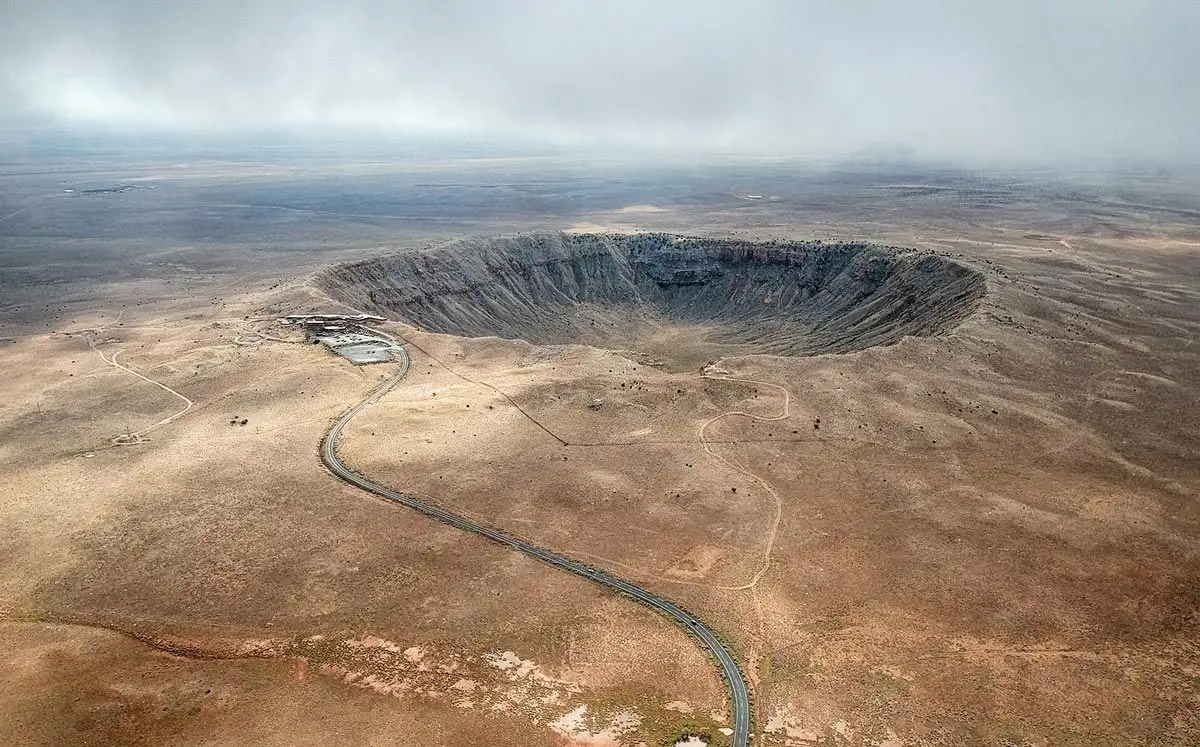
column 332, row 319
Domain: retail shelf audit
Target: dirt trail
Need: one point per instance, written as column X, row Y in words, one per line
column 754, row 652
column 761, row 483
column 769, row 548
column 31, row 205
column 136, row 436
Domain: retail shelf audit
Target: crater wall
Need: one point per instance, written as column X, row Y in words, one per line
column 798, row 298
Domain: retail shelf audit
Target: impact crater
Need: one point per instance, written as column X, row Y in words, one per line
column 680, row 300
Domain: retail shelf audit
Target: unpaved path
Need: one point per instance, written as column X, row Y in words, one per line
column 761, row 483
column 136, row 436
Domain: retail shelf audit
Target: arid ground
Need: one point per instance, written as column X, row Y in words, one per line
column 989, row 535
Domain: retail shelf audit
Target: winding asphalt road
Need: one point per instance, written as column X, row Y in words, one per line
column 739, row 692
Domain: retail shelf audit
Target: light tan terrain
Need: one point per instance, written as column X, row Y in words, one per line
column 987, row 537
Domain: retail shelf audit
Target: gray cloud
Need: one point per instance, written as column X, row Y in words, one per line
column 1018, row 77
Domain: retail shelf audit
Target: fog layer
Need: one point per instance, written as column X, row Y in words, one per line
column 989, row 78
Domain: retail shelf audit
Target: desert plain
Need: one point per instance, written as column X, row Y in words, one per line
column 982, row 533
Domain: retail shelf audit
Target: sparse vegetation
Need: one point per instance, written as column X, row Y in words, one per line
column 981, row 518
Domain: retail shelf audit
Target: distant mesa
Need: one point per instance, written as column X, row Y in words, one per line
column 648, row 292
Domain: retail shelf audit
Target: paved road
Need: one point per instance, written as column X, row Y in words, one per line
column 739, row 692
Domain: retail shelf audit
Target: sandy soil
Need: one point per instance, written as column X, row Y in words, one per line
column 223, row 540
column 971, row 526
column 984, row 538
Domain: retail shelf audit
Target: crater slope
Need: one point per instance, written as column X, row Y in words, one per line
column 659, row 293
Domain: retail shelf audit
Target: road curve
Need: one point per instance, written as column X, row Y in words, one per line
column 734, row 680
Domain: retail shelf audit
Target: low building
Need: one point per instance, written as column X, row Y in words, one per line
column 319, row 319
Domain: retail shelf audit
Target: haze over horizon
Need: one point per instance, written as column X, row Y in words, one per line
column 1069, row 79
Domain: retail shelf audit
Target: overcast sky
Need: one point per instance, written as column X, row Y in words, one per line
column 969, row 78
